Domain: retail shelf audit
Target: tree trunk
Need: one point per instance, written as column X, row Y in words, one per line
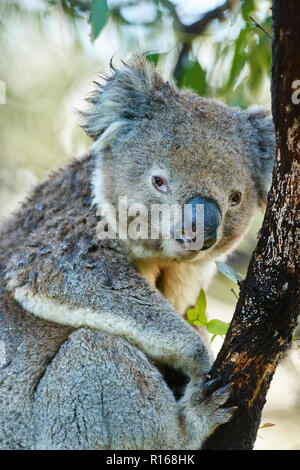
column 268, row 306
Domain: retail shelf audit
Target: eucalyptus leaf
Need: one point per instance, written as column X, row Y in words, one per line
column 191, row 315
column 98, row 17
column 200, row 307
column 153, row 58
column 247, row 8
column 198, row 323
column 229, row 272
column 217, row 327
column 194, row 76
column 212, row 338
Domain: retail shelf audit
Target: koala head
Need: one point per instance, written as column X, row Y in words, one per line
column 155, row 144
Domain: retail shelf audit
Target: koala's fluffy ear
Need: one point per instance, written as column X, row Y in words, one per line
column 124, row 97
column 262, row 137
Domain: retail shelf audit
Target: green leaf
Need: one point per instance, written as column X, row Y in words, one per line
column 98, row 17
column 191, row 315
column 248, row 7
column 200, row 307
column 240, row 57
column 217, row 327
column 193, row 76
column 192, row 318
column 229, row 272
column 212, row 338
column 199, row 323
column 153, row 58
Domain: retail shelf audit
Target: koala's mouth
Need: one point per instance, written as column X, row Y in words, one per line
column 177, row 250
column 190, row 244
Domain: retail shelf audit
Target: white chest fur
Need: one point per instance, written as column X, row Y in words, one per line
column 180, row 282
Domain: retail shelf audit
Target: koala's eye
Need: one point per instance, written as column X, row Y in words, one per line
column 160, row 184
column 235, row 198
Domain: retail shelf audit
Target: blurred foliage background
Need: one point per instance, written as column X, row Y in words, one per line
column 51, row 50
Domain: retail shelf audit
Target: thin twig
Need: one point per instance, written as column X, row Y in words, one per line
column 260, row 27
column 234, row 294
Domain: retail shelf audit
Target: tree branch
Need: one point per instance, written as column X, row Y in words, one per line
column 199, row 26
column 195, row 29
column 268, row 306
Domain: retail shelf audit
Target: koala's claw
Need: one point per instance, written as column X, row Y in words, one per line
column 233, row 409
column 210, row 386
column 212, row 403
column 221, row 395
column 212, row 392
column 223, row 415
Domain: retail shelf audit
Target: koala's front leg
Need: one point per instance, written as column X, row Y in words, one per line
column 142, row 316
column 201, row 411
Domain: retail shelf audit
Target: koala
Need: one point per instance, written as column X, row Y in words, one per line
column 97, row 354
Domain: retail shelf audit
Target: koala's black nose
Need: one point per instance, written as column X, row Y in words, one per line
column 212, row 219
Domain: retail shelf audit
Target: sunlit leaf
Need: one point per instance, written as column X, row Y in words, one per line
column 199, row 323
column 191, row 315
column 217, row 327
column 200, row 307
column 212, row 338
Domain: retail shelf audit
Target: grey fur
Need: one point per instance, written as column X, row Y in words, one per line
column 92, row 373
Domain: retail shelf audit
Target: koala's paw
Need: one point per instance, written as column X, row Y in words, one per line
column 212, row 399
column 203, row 410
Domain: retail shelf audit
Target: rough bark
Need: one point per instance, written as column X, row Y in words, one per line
column 268, row 306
